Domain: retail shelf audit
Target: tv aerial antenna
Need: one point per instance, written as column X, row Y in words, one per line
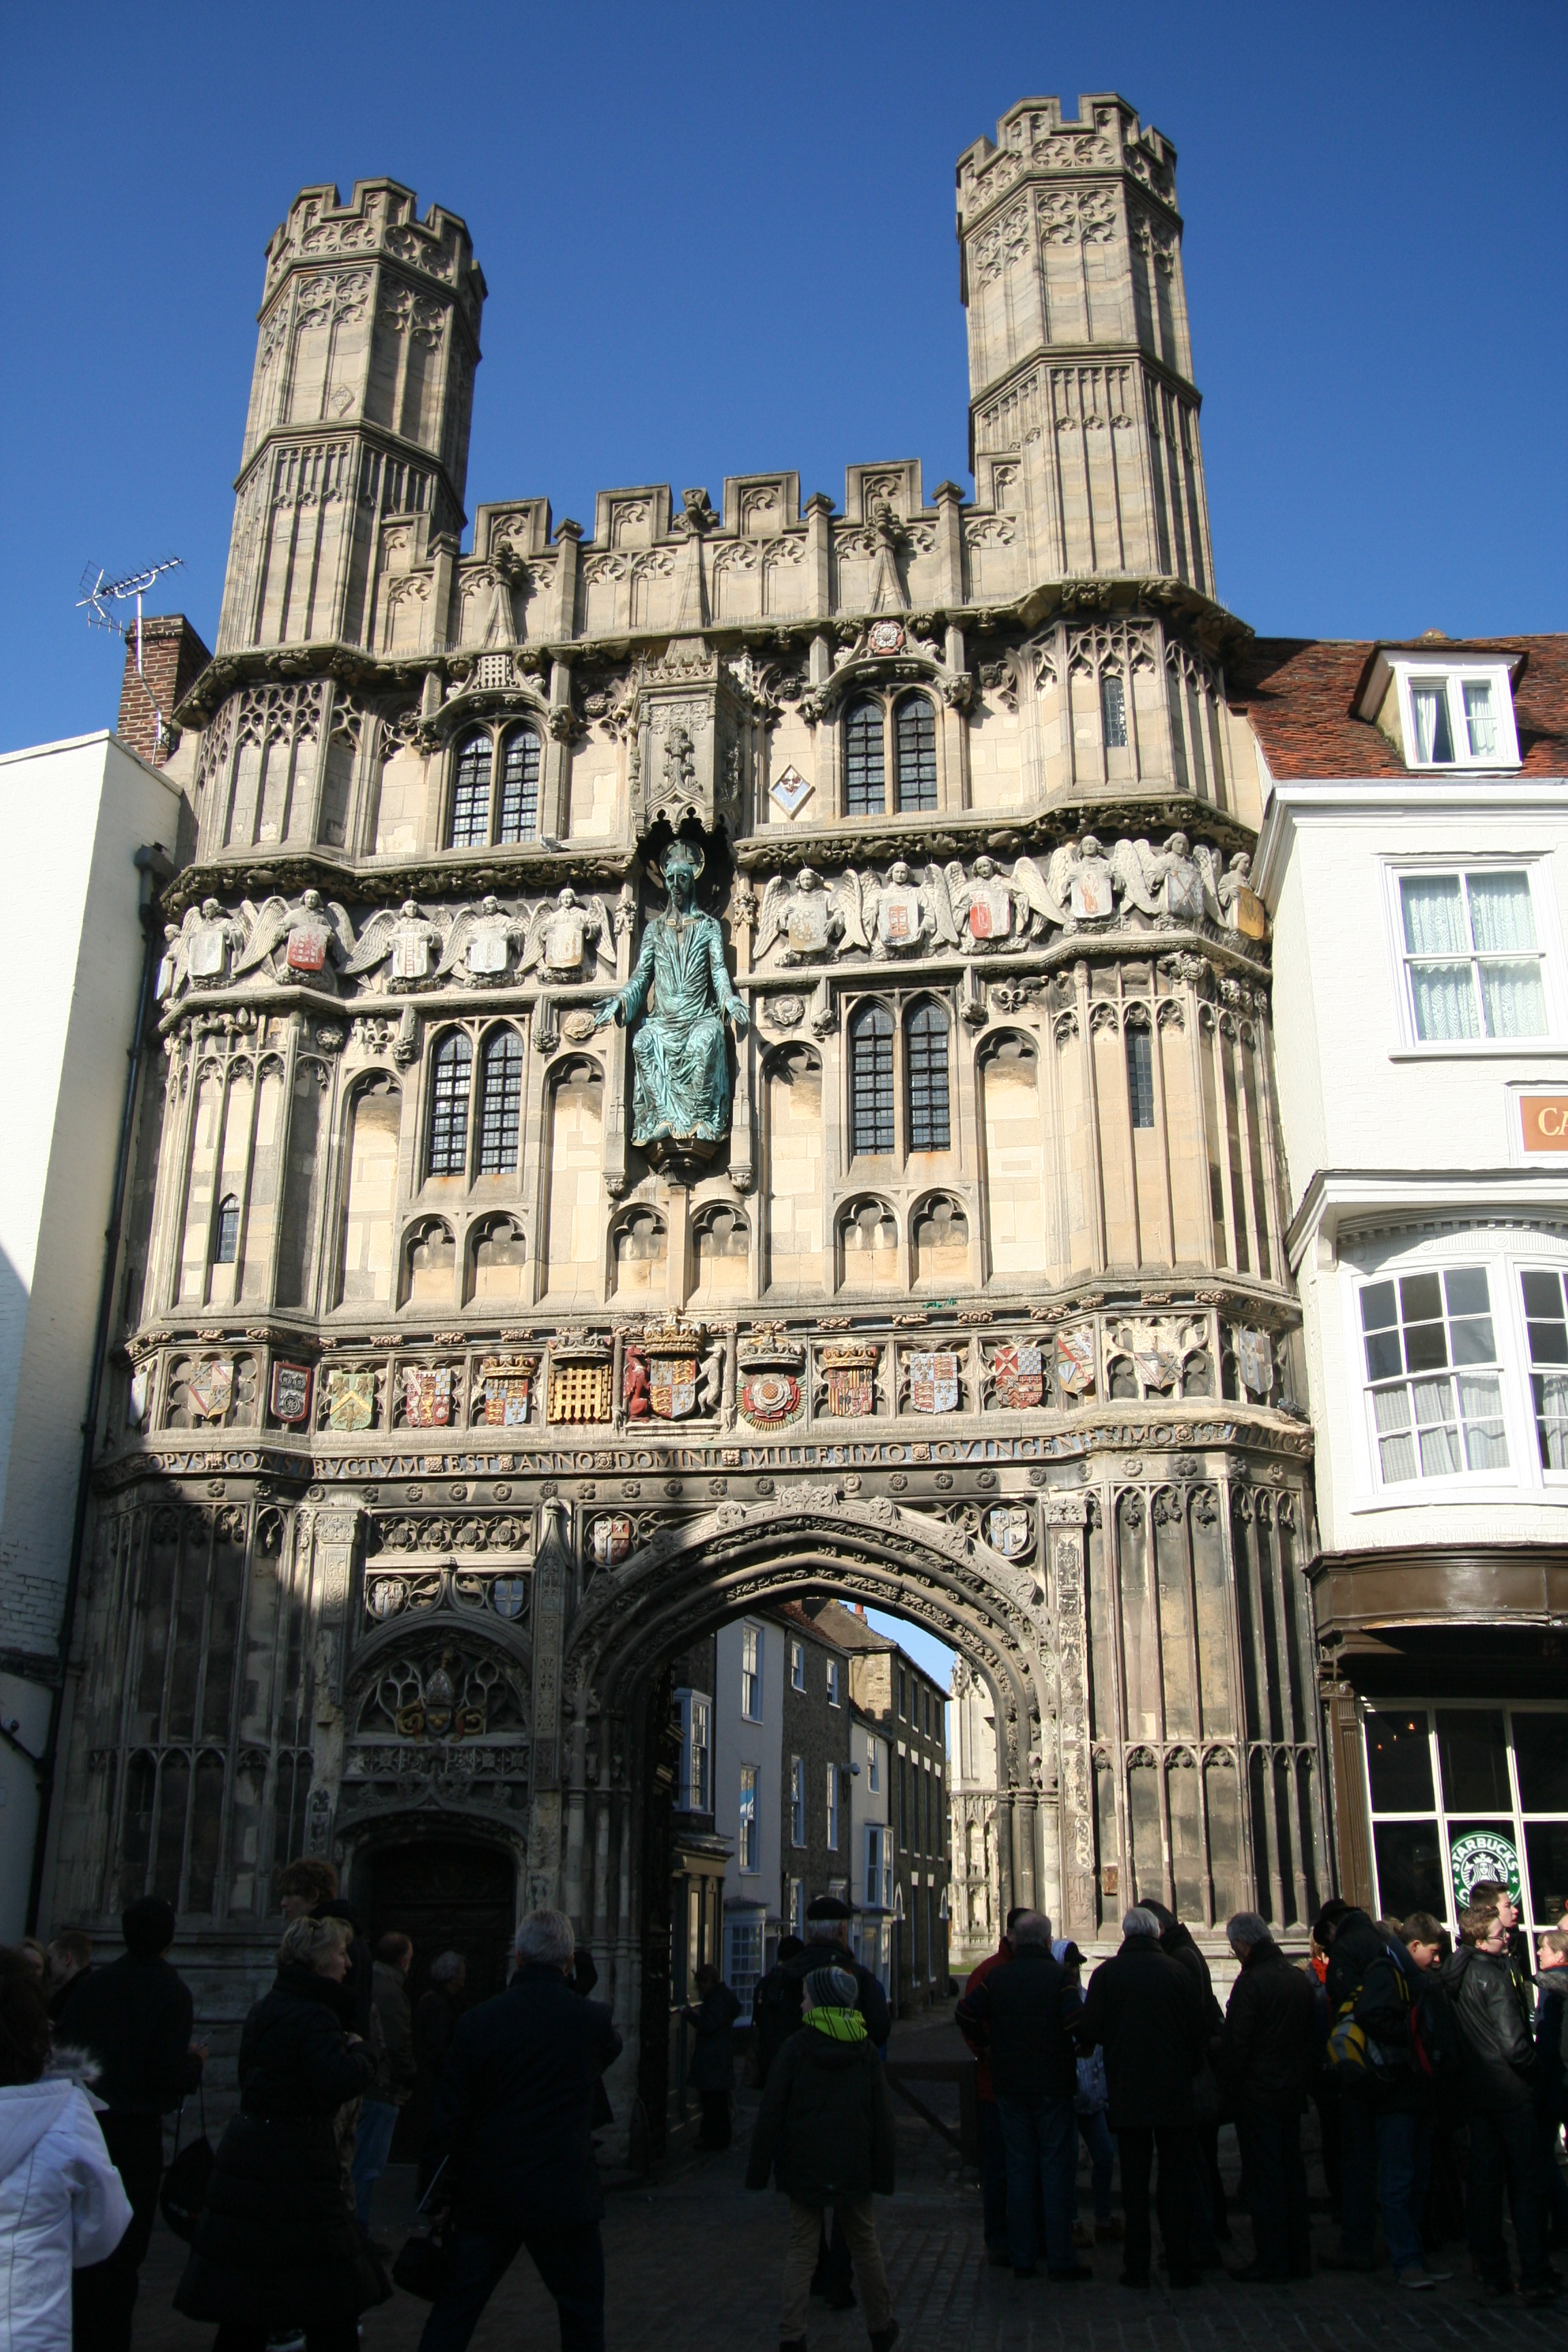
column 98, row 598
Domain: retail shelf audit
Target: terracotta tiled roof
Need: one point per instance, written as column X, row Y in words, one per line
column 1300, row 694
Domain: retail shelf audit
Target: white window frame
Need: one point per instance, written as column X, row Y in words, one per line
column 1453, row 672
column 750, row 1673
column 877, row 1863
column 1443, row 1815
column 834, row 1697
column 696, row 1706
column 874, row 1766
column 798, row 1800
column 749, row 1821
column 1507, row 1252
column 797, row 1664
column 834, row 1801
column 1535, row 865
column 739, row 1974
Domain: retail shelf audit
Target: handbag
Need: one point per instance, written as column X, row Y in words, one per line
column 427, row 2258
column 183, row 2195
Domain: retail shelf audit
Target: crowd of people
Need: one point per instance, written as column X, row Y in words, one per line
column 1437, row 2073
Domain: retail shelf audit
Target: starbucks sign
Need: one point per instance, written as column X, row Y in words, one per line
column 1482, row 1855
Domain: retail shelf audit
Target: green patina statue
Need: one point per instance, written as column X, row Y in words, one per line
column 679, row 994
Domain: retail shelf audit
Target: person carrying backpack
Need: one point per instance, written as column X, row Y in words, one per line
column 1385, row 2101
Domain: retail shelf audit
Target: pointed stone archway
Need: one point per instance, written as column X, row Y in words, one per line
column 1020, row 1626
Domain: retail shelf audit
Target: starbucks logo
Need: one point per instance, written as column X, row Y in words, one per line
column 1480, row 1855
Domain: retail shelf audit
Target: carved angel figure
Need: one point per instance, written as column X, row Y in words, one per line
column 1232, row 890
column 991, row 906
column 1081, row 882
column 408, row 938
column 901, row 913
column 198, row 951
column 811, row 918
column 313, row 937
column 563, row 933
column 480, row 942
column 1166, row 883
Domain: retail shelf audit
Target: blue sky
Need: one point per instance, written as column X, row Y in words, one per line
column 719, row 239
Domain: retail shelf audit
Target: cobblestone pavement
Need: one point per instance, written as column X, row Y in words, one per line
column 694, row 2259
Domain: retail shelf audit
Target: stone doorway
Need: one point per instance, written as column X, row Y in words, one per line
column 451, row 1894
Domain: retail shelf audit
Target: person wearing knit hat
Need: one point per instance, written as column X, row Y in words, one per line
column 825, row 2132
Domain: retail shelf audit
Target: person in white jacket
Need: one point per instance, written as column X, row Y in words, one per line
column 61, row 2202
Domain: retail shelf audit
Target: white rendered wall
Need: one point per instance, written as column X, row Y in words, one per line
column 737, row 1742
column 73, row 816
column 1418, row 1148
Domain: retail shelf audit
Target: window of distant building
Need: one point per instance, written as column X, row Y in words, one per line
column 796, row 1665
column 752, row 1673
column 797, row 1800
column 694, row 1787
column 833, row 1688
column 747, row 1842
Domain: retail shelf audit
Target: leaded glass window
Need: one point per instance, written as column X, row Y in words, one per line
column 1432, row 1369
column 925, row 1036
column 871, row 1080
column 228, row 1231
column 1140, row 1076
column 864, row 787
column 449, row 1104
column 914, row 739
column 501, row 1103
column 1548, row 1328
column 519, row 786
column 471, row 792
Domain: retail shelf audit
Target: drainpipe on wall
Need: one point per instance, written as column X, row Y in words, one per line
column 154, row 867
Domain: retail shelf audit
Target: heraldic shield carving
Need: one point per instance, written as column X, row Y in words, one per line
column 672, row 1352
column 771, row 1391
column 849, row 1379
column 1020, row 1373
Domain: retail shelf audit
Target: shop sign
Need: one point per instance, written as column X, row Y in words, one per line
column 1543, row 1122
column 1482, row 1855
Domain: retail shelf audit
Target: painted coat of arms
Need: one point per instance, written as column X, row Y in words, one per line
column 849, row 1376
column 898, row 915
column 580, row 1384
column 427, row 1395
column 211, row 1387
column 1154, row 1368
column 307, row 948
column 1255, row 1359
column 769, row 1398
column 673, row 1351
column 934, row 1381
column 290, row 1391
column 1076, row 1361
column 990, row 910
column 611, row 1539
column 1010, row 1530
column 1020, row 1373
column 507, row 1385
column 350, row 1399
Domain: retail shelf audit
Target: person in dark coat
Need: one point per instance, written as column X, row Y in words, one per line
column 277, row 2246
column 1550, row 2105
column 993, row 2148
column 1499, row 2061
column 712, row 2072
column 437, row 2016
column 1385, row 2118
column 1146, row 2010
column 395, row 2071
column 825, row 2131
column 133, row 2018
column 1023, row 2015
column 827, row 1947
column 69, row 1959
column 775, row 2008
column 1211, row 2221
column 513, row 2118
column 1266, row 2060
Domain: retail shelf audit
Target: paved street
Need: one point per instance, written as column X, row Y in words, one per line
column 695, row 2259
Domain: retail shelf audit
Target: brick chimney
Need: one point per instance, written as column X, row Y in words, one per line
column 173, row 658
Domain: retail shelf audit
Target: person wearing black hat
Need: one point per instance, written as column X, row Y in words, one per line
column 134, row 2018
column 827, row 1947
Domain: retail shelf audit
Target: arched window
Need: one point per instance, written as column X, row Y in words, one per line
column 471, row 792
column 914, row 753
column 519, row 786
column 871, row 1079
column 449, row 1104
column 228, row 1231
column 925, row 1040
column 864, row 795
column 500, row 1102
